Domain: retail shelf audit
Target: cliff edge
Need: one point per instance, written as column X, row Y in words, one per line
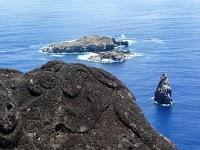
column 72, row 106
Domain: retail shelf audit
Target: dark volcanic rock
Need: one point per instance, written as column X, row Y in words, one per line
column 85, row 44
column 163, row 91
column 72, row 106
column 12, row 133
column 115, row 55
column 120, row 42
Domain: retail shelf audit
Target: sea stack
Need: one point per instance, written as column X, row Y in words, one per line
column 163, row 91
column 72, row 107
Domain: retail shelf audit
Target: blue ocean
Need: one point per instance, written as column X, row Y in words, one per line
column 164, row 34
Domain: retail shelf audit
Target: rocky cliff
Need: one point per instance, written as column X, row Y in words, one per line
column 72, row 106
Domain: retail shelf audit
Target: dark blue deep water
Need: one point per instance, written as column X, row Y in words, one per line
column 166, row 34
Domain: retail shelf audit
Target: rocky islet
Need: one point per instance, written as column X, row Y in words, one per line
column 103, row 47
column 92, row 43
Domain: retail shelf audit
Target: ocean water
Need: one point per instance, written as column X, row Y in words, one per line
column 164, row 33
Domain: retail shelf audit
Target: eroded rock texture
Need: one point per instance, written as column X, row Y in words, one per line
column 71, row 106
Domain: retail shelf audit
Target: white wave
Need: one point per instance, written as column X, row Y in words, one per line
column 157, row 40
column 34, row 46
column 164, row 105
column 123, row 37
column 131, row 42
column 71, row 40
column 57, row 55
column 136, row 54
column 13, row 50
column 86, row 56
column 152, row 97
column 40, row 50
column 3, row 51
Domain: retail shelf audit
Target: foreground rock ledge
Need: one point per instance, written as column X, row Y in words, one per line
column 71, row 106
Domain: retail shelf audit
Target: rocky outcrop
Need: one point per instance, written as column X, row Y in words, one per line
column 12, row 133
column 85, row 44
column 163, row 91
column 72, row 106
column 111, row 56
column 120, row 42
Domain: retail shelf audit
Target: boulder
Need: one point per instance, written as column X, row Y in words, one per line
column 120, row 42
column 85, row 44
column 72, row 106
column 163, row 91
column 111, row 56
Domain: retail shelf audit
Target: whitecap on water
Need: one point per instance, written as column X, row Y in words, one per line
column 86, row 56
column 57, row 55
column 152, row 97
column 35, row 46
column 164, row 105
column 12, row 50
column 123, row 37
column 3, row 51
column 155, row 40
column 136, row 54
column 71, row 40
column 131, row 42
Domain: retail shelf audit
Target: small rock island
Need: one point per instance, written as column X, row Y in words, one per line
column 112, row 56
column 163, row 92
column 92, row 43
column 72, row 107
column 103, row 47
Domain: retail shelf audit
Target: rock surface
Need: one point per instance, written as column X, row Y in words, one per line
column 111, row 56
column 72, row 106
column 163, row 91
column 85, row 44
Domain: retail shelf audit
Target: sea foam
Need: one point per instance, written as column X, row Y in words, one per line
column 157, row 40
column 86, row 56
column 164, row 105
column 123, row 37
column 154, row 40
